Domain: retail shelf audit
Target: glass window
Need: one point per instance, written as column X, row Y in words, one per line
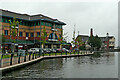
column 20, row 34
column 27, row 34
column 38, row 34
column 31, row 34
column 59, row 36
column 6, row 32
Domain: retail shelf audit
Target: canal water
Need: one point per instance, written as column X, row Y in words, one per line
column 103, row 65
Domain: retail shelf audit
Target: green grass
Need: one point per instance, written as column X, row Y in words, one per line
column 45, row 54
column 6, row 56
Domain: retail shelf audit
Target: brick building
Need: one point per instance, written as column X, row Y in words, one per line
column 108, row 42
column 28, row 31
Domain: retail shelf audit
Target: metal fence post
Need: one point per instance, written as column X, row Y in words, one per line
column 33, row 55
column 29, row 56
column 25, row 58
column 1, row 61
column 11, row 58
column 19, row 58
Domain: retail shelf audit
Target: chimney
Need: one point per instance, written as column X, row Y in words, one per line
column 91, row 32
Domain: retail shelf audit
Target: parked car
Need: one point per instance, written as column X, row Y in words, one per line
column 21, row 52
column 42, row 51
column 47, row 50
column 59, row 50
column 53, row 50
column 66, row 50
column 33, row 50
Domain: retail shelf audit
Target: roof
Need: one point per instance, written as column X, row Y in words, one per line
column 7, row 13
column 108, row 37
column 83, row 35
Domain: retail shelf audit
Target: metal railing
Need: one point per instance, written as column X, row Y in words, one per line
column 17, row 58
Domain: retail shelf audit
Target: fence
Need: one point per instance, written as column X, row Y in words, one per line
column 17, row 58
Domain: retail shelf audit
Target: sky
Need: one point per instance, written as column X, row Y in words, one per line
column 101, row 15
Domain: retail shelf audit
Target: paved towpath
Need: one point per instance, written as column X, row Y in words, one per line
column 6, row 61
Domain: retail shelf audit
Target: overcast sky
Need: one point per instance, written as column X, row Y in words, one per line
column 101, row 15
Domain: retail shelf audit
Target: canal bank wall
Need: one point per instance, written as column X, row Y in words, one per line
column 21, row 65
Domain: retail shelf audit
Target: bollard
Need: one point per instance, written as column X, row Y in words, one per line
column 78, row 52
column 33, row 55
column 1, row 61
column 11, row 59
column 19, row 58
column 29, row 56
column 25, row 58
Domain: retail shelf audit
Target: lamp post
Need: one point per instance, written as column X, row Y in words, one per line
column 26, row 41
column 107, row 41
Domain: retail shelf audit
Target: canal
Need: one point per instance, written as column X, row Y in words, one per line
column 100, row 65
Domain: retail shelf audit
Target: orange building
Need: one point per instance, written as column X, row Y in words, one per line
column 30, row 28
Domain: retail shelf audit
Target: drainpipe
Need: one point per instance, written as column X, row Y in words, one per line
column 34, row 35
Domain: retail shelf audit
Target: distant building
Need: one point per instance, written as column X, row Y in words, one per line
column 108, row 42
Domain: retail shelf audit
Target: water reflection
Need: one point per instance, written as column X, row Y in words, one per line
column 100, row 65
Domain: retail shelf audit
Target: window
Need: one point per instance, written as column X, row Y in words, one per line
column 27, row 34
column 38, row 34
column 59, row 36
column 31, row 34
column 20, row 34
column 6, row 32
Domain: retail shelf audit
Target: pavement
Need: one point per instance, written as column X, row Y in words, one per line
column 6, row 61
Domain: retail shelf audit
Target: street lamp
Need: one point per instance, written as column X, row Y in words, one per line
column 26, row 41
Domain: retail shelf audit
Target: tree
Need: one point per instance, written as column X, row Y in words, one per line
column 3, row 43
column 13, row 32
column 94, row 42
column 79, row 42
column 73, row 39
column 44, row 35
column 61, row 39
column 98, row 42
